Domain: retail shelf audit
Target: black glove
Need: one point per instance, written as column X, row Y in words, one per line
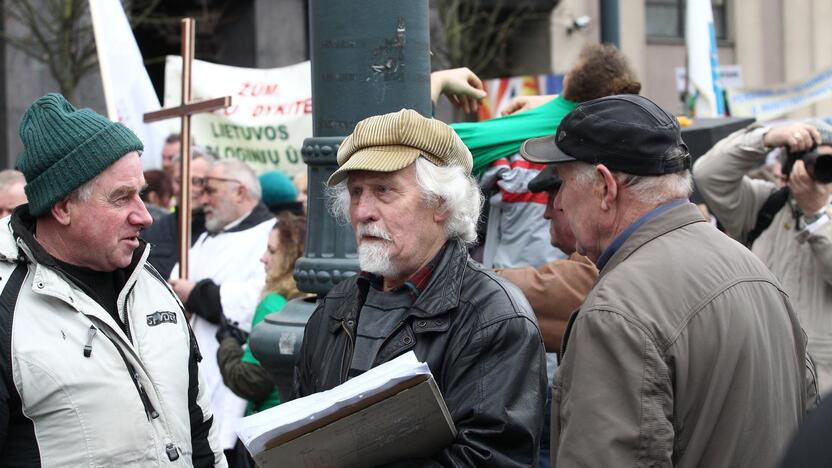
column 230, row 329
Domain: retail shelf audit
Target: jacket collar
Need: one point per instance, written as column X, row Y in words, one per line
column 670, row 220
column 441, row 293
column 21, row 244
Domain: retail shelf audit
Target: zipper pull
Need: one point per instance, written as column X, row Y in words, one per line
column 170, row 449
column 90, row 336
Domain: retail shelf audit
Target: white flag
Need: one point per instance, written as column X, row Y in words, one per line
column 700, row 39
column 127, row 87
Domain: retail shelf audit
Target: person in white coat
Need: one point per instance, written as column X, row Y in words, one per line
column 97, row 364
column 225, row 278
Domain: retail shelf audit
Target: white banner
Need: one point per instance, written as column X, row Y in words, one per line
column 127, row 87
column 270, row 117
column 774, row 101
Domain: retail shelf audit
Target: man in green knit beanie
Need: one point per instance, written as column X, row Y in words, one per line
column 105, row 366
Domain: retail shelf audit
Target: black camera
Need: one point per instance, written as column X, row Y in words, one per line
column 819, row 166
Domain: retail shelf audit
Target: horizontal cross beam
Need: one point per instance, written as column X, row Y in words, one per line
column 188, row 109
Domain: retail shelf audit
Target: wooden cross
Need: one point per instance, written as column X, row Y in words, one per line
column 185, row 111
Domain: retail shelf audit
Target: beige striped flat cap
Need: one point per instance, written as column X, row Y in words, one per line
column 389, row 142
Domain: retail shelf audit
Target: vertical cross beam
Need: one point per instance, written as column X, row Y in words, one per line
column 185, row 149
column 185, row 111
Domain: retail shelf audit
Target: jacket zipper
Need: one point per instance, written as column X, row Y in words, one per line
column 124, row 314
column 345, row 369
column 170, row 448
column 90, row 336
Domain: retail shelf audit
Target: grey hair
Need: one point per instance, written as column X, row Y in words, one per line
column 83, row 192
column 242, row 172
column 11, row 177
column 649, row 190
column 198, row 152
column 450, row 188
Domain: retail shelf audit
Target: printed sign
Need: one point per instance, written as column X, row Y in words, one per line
column 270, row 116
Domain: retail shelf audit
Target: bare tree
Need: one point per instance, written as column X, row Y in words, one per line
column 59, row 34
column 476, row 33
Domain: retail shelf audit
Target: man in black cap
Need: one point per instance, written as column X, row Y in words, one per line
column 686, row 351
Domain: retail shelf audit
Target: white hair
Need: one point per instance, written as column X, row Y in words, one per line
column 242, row 172
column 450, row 188
column 649, row 190
column 10, row 178
column 200, row 152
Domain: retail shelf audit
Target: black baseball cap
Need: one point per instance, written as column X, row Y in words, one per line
column 627, row 133
column 545, row 181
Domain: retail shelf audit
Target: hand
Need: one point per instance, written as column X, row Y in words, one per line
column 462, row 87
column 230, row 329
column 524, row 103
column 797, row 137
column 811, row 196
column 182, row 288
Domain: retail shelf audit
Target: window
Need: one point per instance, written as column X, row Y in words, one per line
column 665, row 19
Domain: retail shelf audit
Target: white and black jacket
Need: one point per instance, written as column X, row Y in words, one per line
column 77, row 389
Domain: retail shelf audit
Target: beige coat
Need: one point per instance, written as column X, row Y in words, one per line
column 554, row 291
column 685, row 353
column 800, row 259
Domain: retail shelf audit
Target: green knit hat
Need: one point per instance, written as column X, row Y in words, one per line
column 64, row 147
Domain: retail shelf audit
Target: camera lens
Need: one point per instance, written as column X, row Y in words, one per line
column 819, row 166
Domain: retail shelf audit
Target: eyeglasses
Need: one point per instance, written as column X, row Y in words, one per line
column 208, row 190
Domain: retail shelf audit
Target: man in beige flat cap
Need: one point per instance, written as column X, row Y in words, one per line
column 404, row 183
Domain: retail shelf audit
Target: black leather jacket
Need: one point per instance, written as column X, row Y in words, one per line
column 479, row 337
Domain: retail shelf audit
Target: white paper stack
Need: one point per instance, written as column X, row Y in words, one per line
column 256, row 430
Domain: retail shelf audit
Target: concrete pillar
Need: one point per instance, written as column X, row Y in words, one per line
column 797, row 44
column 566, row 46
column 822, row 59
column 634, row 39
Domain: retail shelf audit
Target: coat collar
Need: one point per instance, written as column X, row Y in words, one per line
column 670, row 220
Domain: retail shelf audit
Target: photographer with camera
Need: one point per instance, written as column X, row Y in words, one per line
column 788, row 228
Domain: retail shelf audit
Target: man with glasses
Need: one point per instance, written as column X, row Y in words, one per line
column 225, row 277
column 163, row 234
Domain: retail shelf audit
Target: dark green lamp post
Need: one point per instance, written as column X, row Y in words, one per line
column 369, row 57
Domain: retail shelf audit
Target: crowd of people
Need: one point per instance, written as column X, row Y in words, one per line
column 591, row 316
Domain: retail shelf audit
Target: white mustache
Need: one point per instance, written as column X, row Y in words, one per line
column 373, row 230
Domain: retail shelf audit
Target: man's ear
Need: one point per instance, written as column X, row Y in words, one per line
column 608, row 187
column 62, row 211
column 242, row 191
column 440, row 213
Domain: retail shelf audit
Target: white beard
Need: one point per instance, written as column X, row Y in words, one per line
column 374, row 256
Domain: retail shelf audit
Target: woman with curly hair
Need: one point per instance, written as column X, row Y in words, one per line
column 240, row 370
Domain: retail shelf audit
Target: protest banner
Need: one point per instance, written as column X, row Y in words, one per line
column 270, row 117
column 766, row 103
column 502, row 90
